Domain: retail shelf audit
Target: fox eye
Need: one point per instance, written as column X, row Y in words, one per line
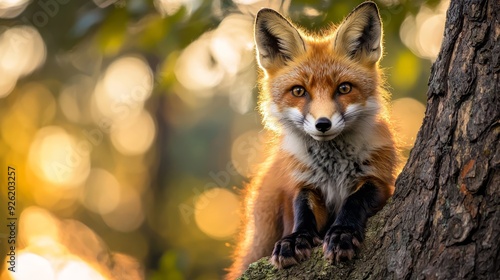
column 344, row 88
column 298, row 91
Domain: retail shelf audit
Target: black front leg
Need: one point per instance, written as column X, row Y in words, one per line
column 344, row 237
column 297, row 246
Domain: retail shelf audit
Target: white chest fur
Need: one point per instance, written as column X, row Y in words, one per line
column 335, row 167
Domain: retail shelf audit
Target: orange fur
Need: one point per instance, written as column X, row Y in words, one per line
column 319, row 64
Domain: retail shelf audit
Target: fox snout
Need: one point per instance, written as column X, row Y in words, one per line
column 323, row 124
column 323, row 128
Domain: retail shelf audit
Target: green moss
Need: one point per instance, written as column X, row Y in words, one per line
column 318, row 268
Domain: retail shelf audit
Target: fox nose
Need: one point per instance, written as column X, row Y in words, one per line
column 323, row 124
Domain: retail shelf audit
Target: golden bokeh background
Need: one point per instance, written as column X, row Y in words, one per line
column 132, row 126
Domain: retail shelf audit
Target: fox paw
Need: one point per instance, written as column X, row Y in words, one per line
column 294, row 248
column 341, row 243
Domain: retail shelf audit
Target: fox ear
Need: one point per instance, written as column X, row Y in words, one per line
column 359, row 36
column 277, row 40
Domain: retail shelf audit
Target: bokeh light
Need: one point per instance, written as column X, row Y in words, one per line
column 32, row 266
column 128, row 214
column 12, row 8
column 102, row 192
column 196, row 69
column 407, row 115
column 51, row 249
column 423, row 33
column 118, row 98
column 36, row 226
column 133, row 135
column 232, row 47
column 78, row 270
column 80, row 252
column 218, row 59
column 138, row 84
column 56, row 157
column 216, row 213
column 232, row 43
column 22, row 50
column 170, row 7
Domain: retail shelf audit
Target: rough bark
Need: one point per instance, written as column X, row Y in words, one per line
column 444, row 219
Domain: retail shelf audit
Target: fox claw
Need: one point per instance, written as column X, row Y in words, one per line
column 341, row 243
column 294, row 248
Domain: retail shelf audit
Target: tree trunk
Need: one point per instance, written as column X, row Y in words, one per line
column 444, row 219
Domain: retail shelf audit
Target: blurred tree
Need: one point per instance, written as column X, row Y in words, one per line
column 444, row 219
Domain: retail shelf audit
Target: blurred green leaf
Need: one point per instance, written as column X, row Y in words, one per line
column 406, row 71
column 155, row 30
column 112, row 33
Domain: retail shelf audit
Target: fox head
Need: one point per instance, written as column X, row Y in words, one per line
column 320, row 86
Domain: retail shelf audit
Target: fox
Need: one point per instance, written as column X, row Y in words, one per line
column 332, row 160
